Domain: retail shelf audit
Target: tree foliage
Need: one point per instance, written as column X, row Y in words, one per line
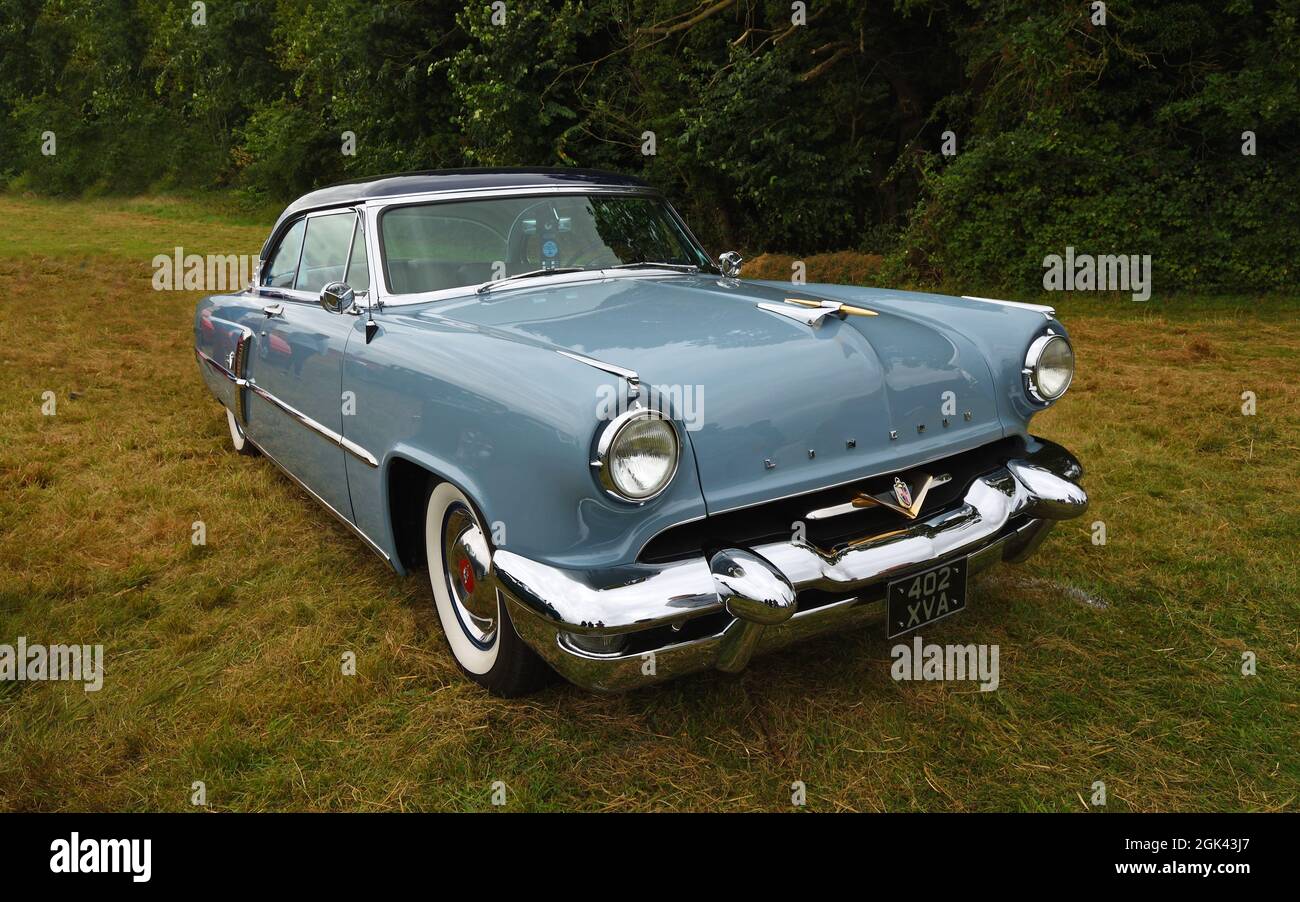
column 1122, row 137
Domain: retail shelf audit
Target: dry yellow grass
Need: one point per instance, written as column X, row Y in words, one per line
column 1119, row 663
column 840, row 268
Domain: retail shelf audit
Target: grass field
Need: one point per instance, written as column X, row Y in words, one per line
column 1120, row 663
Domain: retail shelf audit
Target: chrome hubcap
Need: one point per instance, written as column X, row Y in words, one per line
column 466, row 560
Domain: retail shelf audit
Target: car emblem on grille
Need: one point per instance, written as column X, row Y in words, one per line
column 900, row 498
column 891, row 499
column 902, row 492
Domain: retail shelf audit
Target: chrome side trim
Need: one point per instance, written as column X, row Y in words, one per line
column 345, row 443
column 374, row 546
column 629, row 376
column 1041, row 308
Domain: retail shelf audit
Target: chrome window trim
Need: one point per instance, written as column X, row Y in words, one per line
column 379, row 274
column 342, row 441
column 501, row 191
column 470, row 292
column 307, row 297
column 278, row 236
column 300, row 294
column 375, row 252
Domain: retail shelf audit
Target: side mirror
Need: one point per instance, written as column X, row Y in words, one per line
column 729, row 262
column 337, row 297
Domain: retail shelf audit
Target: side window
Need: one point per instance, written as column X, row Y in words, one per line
column 325, row 251
column 283, row 265
column 358, row 272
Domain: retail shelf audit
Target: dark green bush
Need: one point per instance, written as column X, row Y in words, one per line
column 1117, row 138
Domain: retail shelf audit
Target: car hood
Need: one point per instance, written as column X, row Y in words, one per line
column 771, row 406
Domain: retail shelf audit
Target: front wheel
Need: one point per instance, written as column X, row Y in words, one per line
column 473, row 615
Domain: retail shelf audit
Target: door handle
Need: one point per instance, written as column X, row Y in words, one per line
column 273, row 310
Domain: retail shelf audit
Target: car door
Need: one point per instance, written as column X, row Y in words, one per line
column 296, row 366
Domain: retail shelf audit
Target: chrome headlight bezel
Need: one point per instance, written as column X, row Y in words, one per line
column 606, row 446
column 1033, row 384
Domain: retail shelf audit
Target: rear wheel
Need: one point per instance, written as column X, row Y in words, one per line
column 237, row 437
column 474, row 618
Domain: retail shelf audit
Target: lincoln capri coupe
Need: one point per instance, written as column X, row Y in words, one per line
column 616, row 459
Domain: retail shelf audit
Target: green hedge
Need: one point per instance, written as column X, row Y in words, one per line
column 1117, row 138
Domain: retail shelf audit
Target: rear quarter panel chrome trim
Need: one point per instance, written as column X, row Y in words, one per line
column 246, row 384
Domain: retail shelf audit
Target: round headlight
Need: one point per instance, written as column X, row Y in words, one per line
column 638, row 454
column 1049, row 367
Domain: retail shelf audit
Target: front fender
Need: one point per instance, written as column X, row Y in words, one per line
column 512, row 425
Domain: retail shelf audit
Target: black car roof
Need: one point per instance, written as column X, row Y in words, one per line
column 435, row 180
column 459, row 180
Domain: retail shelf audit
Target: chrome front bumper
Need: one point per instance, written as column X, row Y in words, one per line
column 753, row 593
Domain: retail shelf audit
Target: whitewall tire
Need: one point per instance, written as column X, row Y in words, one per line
column 474, row 618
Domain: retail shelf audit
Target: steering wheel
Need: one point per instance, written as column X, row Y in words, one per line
column 548, row 228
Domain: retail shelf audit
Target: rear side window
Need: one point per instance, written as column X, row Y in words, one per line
column 280, row 271
column 325, row 251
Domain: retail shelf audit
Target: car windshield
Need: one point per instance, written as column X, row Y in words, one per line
column 440, row 246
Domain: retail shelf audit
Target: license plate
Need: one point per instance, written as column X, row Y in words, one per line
column 923, row 598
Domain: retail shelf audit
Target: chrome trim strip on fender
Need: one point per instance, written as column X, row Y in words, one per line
column 629, row 376
column 343, row 442
column 1049, row 312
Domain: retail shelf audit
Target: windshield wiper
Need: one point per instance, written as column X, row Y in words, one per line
column 487, row 286
column 649, row 264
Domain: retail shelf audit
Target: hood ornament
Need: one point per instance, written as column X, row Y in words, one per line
column 814, row 311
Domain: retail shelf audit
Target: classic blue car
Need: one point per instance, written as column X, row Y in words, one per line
column 616, row 459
